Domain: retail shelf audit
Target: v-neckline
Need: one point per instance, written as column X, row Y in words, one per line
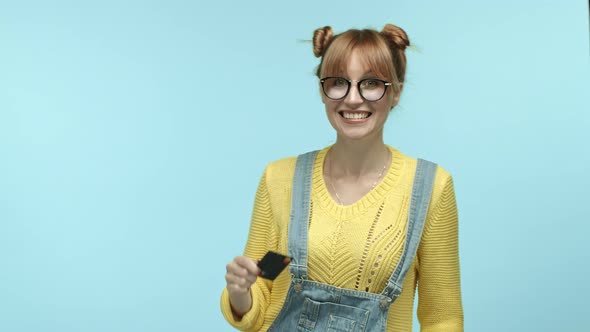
column 321, row 193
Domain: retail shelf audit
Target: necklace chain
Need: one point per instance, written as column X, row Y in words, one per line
column 372, row 187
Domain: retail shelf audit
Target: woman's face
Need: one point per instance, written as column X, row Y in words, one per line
column 352, row 116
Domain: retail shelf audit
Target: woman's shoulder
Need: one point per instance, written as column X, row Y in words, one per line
column 410, row 164
column 283, row 169
column 443, row 181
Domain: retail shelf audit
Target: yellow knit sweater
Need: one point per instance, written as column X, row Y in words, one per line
column 357, row 246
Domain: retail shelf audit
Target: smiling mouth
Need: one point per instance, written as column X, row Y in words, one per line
column 355, row 115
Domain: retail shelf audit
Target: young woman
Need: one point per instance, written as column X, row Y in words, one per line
column 365, row 224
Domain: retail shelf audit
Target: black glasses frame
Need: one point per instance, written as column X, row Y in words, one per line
column 358, row 87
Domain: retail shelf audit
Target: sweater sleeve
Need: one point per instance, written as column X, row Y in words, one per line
column 439, row 288
column 261, row 238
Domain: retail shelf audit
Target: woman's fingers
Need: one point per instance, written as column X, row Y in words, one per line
column 248, row 264
column 241, row 274
column 237, row 284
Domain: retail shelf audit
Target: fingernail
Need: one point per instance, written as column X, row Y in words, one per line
column 260, row 273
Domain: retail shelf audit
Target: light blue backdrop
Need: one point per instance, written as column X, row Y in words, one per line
column 133, row 135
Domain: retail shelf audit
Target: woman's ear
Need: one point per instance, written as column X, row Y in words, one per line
column 396, row 96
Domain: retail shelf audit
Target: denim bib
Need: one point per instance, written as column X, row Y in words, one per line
column 314, row 306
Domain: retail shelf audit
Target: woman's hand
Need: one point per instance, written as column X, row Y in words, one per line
column 241, row 274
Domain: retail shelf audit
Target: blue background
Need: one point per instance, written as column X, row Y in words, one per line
column 133, row 135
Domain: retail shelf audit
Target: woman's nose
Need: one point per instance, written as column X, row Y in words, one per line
column 354, row 95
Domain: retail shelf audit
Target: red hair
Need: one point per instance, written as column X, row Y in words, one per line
column 382, row 52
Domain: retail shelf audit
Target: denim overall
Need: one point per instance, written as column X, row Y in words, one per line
column 314, row 306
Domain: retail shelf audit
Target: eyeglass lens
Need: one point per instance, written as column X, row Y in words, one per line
column 338, row 87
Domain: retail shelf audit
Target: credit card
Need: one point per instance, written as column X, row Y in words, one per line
column 272, row 264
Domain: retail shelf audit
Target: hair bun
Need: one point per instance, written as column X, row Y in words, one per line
column 321, row 40
column 396, row 36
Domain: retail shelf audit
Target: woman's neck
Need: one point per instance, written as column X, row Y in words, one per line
column 356, row 158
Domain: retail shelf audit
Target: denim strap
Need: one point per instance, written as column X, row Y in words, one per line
column 299, row 217
column 421, row 193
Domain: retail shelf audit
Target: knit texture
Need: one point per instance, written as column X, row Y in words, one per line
column 357, row 246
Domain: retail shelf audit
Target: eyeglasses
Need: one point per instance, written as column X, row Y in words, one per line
column 370, row 89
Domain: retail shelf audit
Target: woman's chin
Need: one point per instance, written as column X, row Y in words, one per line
column 356, row 134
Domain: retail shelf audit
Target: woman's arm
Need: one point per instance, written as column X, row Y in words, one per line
column 439, row 285
column 261, row 238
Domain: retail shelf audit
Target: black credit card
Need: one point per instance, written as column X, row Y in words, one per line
column 272, row 264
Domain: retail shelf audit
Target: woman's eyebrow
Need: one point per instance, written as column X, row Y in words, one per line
column 365, row 75
column 369, row 74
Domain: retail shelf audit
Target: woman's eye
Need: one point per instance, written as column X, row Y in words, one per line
column 340, row 82
column 370, row 84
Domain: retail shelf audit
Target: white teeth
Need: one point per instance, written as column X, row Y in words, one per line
column 355, row 116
